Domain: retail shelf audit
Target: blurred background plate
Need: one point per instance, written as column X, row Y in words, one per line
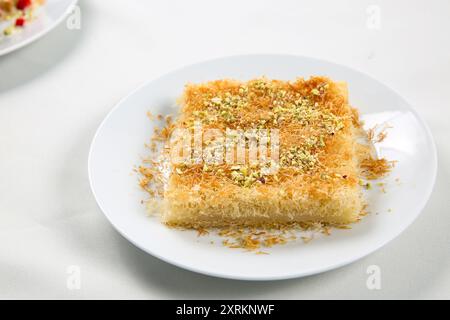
column 48, row 17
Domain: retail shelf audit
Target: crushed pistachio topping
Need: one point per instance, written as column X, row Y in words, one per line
column 282, row 105
column 300, row 158
column 246, row 176
column 225, row 107
column 286, row 105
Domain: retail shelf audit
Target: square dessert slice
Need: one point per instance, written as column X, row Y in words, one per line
column 311, row 170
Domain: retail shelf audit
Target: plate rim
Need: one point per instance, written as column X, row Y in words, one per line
column 42, row 33
column 420, row 207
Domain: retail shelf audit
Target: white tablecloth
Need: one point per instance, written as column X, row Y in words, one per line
column 55, row 92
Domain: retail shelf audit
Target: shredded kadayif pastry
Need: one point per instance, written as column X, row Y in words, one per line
column 308, row 176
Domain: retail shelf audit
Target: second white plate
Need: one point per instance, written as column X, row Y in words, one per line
column 48, row 17
column 119, row 143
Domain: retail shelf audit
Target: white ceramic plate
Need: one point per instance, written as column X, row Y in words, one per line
column 119, row 143
column 48, row 17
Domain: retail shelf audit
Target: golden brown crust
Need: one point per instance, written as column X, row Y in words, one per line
column 316, row 125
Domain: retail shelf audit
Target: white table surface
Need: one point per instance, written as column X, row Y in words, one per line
column 55, row 92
